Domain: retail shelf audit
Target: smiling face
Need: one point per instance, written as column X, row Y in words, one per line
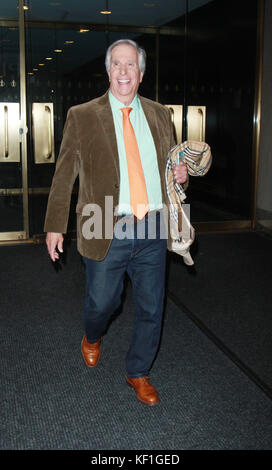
column 125, row 75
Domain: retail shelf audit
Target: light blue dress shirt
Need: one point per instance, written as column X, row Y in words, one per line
column 147, row 151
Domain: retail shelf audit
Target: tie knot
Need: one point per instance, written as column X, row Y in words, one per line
column 126, row 111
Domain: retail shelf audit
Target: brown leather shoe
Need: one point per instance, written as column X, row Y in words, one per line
column 146, row 393
column 90, row 352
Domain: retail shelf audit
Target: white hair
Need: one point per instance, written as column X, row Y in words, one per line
column 141, row 53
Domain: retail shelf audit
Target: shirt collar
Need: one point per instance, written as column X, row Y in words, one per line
column 116, row 105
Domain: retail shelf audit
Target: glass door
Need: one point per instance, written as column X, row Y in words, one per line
column 13, row 170
column 58, row 77
column 65, row 53
column 221, row 76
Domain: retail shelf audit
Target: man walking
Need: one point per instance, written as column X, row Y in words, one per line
column 118, row 144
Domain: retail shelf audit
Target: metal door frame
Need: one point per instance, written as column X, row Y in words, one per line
column 23, row 116
column 23, row 234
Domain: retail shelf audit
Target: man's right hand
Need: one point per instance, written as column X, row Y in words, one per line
column 53, row 241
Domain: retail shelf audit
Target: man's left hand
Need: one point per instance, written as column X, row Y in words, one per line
column 180, row 173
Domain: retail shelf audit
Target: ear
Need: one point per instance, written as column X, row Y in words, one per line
column 141, row 76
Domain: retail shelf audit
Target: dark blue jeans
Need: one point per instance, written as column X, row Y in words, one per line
column 144, row 260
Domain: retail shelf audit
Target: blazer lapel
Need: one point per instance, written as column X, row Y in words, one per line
column 105, row 117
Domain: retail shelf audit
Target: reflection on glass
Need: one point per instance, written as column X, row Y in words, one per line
column 141, row 13
column 9, row 10
column 220, row 74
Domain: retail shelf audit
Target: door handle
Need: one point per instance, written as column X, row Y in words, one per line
column 50, row 139
column 201, row 123
column 9, row 132
column 6, row 135
column 172, row 114
column 196, row 123
column 43, row 132
column 176, row 113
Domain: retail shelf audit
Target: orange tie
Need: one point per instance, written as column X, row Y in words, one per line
column 138, row 192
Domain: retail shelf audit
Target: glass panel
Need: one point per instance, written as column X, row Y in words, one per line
column 66, row 67
column 73, row 76
column 9, row 10
column 220, row 74
column 11, row 198
column 171, row 69
column 140, row 13
column 264, row 194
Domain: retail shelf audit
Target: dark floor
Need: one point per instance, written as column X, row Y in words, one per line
column 229, row 291
column 50, row 400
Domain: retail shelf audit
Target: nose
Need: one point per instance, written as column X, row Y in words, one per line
column 123, row 69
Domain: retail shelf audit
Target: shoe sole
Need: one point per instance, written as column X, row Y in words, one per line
column 139, row 399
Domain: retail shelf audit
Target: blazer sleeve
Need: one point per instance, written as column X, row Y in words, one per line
column 67, row 167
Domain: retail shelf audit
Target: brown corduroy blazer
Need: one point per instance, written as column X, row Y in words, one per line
column 89, row 150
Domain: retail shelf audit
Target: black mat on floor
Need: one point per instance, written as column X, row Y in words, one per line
column 50, row 400
column 229, row 291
